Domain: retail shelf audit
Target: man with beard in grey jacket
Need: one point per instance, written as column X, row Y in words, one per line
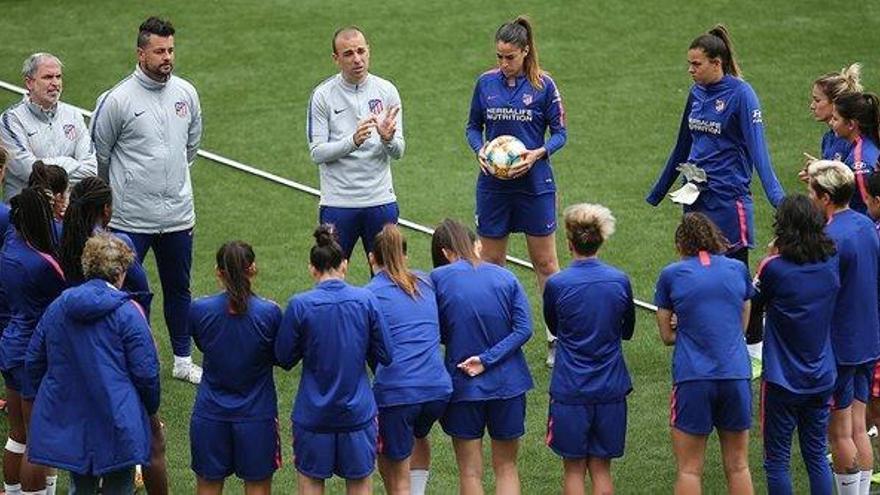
column 146, row 131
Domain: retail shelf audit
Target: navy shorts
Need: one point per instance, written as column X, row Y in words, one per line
column 350, row 455
column 17, row 379
column 504, row 418
column 501, row 213
column 853, row 383
column 699, row 406
column 249, row 449
column 400, row 425
column 358, row 223
column 579, row 431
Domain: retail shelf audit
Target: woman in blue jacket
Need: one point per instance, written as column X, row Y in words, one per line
column 722, row 133
column 856, row 119
column 93, row 363
column 589, row 307
column 413, row 392
column 335, row 329
column 234, row 424
column 32, row 278
column 798, row 283
column 520, row 99
column 709, row 293
column 825, row 90
column 485, row 320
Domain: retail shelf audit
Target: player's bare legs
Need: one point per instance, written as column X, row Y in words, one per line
column 504, row 454
column 735, row 457
column 469, row 457
column 690, row 453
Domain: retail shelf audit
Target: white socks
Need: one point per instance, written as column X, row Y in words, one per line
column 38, row 492
column 418, row 481
column 755, row 350
column 847, row 484
column 182, row 361
column 12, row 489
column 51, row 481
column 865, row 482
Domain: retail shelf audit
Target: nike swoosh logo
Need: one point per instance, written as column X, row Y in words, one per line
column 138, row 114
column 337, row 112
column 32, row 133
column 847, row 484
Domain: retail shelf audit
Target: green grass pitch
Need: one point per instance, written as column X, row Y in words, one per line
column 620, row 67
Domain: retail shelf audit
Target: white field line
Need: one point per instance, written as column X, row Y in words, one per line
column 214, row 157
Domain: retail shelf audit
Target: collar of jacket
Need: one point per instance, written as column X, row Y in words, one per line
column 148, row 82
column 40, row 112
column 354, row 88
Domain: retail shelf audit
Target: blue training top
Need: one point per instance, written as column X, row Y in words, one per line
column 862, row 160
column 523, row 111
column 239, row 353
column 707, row 294
column 417, row 373
column 32, row 281
column 855, row 329
column 483, row 312
column 722, row 132
column 835, row 148
column 335, row 329
column 799, row 301
column 589, row 308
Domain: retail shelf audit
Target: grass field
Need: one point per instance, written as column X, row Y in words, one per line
column 620, row 67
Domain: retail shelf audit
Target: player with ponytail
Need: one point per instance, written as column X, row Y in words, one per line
column 826, row 88
column 722, row 134
column 32, row 278
column 518, row 99
column 335, row 329
column 589, row 308
column 855, row 119
column 234, row 423
column 413, row 392
column 485, row 321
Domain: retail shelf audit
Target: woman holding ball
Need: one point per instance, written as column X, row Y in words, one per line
column 517, row 98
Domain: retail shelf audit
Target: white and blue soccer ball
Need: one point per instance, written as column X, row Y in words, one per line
column 503, row 153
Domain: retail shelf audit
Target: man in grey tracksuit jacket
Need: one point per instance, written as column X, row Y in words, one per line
column 354, row 129
column 40, row 127
column 146, row 131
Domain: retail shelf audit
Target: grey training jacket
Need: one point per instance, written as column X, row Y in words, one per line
column 56, row 137
column 351, row 176
column 146, row 136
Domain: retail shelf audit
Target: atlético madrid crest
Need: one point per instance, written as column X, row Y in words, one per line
column 719, row 105
column 376, row 106
column 180, row 108
column 70, row 132
column 527, row 99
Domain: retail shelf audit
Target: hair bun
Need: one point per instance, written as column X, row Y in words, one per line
column 325, row 235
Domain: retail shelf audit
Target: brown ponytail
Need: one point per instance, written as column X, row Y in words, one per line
column 716, row 43
column 519, row 32
column 235, row 262
column 389, row 251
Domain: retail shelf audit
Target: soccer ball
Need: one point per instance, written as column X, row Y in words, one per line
column 502, row 153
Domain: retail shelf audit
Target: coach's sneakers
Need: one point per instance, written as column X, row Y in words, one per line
column 185, row 369
column 551, row 353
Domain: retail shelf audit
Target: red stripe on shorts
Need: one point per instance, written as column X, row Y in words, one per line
column 672, row 401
